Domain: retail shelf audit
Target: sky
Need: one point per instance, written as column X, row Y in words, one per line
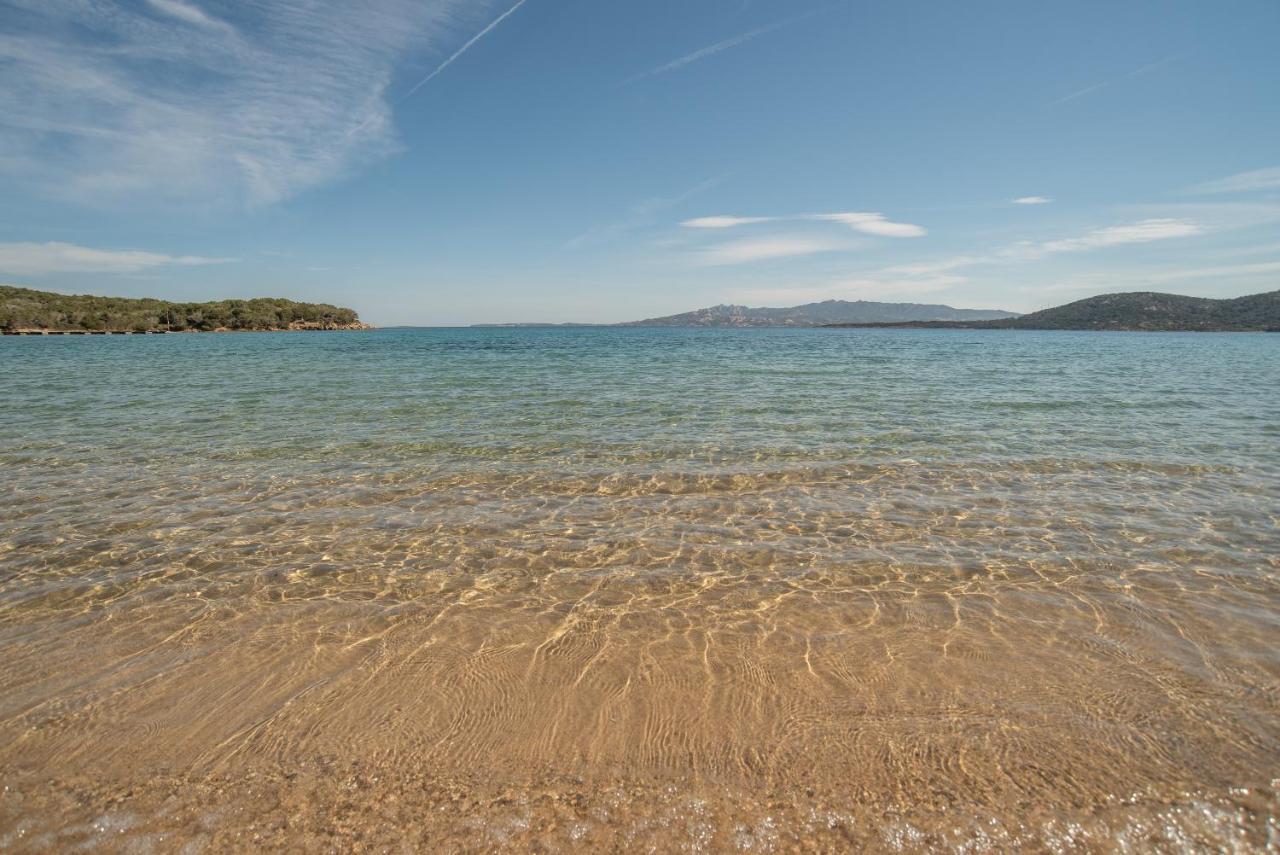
column 458, row 161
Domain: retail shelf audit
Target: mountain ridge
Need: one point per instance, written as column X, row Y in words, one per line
column 825, row 313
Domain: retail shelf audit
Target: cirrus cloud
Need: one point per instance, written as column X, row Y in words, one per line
column 163, row 101
column 191, row 14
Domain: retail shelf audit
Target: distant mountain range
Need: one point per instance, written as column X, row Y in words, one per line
column 1135, row 310
column 826, row 313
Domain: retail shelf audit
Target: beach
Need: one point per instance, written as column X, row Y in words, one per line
column 641, row 589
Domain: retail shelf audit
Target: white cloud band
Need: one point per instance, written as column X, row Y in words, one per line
column 868, row 223
column 34, row 259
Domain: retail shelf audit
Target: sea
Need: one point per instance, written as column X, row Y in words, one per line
column 641, row 589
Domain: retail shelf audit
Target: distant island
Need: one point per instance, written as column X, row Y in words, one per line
column 826, row 313
column 24, row 310
column 1133, row 311
column 534, row 325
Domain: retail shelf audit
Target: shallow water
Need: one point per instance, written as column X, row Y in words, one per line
column 640, row 588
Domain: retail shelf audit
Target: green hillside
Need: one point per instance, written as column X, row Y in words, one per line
column 1146, row 310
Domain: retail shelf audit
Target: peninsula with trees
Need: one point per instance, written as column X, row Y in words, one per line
column 27, row 311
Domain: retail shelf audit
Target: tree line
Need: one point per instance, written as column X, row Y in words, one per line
column 24, row 308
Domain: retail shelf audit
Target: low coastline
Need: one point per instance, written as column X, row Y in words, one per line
column 294, row 328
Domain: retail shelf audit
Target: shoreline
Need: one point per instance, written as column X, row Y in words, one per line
column 983, row 326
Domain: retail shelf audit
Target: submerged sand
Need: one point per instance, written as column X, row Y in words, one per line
column 682, row 663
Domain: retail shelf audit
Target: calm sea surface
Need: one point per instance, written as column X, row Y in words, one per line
column 640, row 588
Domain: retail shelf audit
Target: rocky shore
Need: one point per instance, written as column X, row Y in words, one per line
column 300, row 326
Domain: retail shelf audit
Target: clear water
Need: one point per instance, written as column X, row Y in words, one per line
column 592, row 587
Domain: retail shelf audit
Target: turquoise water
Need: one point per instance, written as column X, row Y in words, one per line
column 1021, row 568
column 683, row 399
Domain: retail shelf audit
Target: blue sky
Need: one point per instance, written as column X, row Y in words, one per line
column 443, row 162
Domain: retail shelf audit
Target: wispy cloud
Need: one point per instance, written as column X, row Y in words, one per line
column 1218, row 272
column 1032, row 200
column 35, row 259
column 869, row 223
column 711, row 50
column 1225, row 280
column 947, row 273
column 191, row 14
column 641, row 214
column 1242, row 182
column 934, row 267
column 1139, row 232
column 1151, row 66
column 1143, row 231
column 167, row 101
column 1215, row 215
column 761, row 249
column 872, row 224
column 724, row 222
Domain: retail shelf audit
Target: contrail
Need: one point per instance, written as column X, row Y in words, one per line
column 731, row 42
column 460, row 51
column 442, row 66
column 1095, row 87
